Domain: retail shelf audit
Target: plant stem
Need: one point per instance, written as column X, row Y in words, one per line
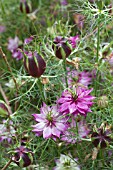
column 41, row 89
column 6, row 100
column 8, row 163
column 97, row 54
column 9, row 68
column 65, row 70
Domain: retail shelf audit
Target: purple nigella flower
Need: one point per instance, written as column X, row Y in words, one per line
column 28, row 40
column 50, row 123
column 17, row 54
column 75, row 102
column 64, row 2
column 13, row 44
column 82, row 78
column 73, row 41
column 2, row 28
column 6, row 131
column 75, row 132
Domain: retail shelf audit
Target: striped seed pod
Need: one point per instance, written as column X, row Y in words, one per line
column 61, row 47
column 34, row 64
column 25, row 7
column 23, row 156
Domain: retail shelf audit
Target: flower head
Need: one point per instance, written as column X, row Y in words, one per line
column 50, row 122
column 28, row 40
column 64, row 2
column 75, row 132
column 2, row 28
column 6, row 132
column 13, row 44
column 83, row 78
column 76, row 102
column 73, row 40
column 101, row 137
column 66, row 162
column 17, row 54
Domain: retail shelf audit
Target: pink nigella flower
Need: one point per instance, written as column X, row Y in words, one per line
column 6, row 131
column 13, row 44
column 73, row 41
column 28, row 40
column 75, row 102
column 64, row 2
column 83, row 78
column 75, row 132
column 2, row 28
column 50, row 123
column 17, row 54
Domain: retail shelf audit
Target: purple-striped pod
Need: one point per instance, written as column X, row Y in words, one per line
column 61, row 47
column 25, row 7
column 34, row 64
column 23, row 156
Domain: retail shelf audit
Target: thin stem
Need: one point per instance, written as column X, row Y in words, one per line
column 8, row 163
column 65, row 70
column 97, row 54
column 41, row 89
column 6, row 100
column 98, row 43
column 9, row 68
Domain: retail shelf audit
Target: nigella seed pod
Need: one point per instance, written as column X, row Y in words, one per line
column 25, row 7
column 61, row 47
column 23, row 156
column 3, row 108
column 34, row 64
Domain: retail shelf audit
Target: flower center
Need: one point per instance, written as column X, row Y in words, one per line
column 49, row 117
column 67, row 163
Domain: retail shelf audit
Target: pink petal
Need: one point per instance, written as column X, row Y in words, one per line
column 47, row 133
column 56, row 132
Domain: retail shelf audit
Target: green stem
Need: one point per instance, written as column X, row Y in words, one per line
column 65, row 70
column 97, row 54
column 41, row 89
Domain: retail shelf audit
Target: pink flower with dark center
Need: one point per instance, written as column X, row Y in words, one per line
column 13, row 44
column 74, row 40
column 83, row 78
column 75, row 102
column 50, row 123
column 75, row 132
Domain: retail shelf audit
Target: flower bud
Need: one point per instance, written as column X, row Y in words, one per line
column 3, row 108
column 23, row 156
column 34, row 64
column 61, row 47
column 25, row 7
column 103, row 102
